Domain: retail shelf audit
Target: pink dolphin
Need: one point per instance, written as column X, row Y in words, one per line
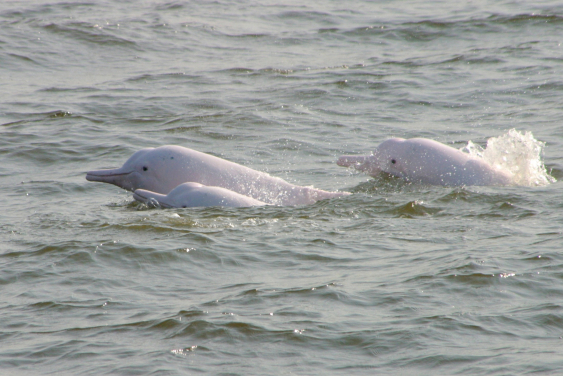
column 190, row 195
column 162, row 169
column 426, row 161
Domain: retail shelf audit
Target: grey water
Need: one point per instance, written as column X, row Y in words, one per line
column 395, row 279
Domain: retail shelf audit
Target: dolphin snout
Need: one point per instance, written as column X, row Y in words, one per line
column 123, row 178
column 149, row 198
column 138, row 195
column 105, row 176
column 365, row 163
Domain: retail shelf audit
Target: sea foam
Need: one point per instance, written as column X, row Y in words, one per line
column 515, row 152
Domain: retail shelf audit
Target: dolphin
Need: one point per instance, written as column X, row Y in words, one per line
column 426, row 161
column 190, row 195
column 163, row 168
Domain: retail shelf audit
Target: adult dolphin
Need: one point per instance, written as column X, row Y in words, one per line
column 191, row 195
column 427, row 161
column 162, row 169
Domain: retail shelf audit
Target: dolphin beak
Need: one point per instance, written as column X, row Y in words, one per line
column 105, row 176
column 365, row 163
column 114, row 176
column 350, row 160
column 150, row 198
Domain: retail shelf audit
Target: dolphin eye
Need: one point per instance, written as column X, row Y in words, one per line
column 183, row 206
column 145, row 168
column 393, row 161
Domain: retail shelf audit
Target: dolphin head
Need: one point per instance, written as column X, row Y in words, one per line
column 386, row 157
column 184, row 195
column 389, row 157
column 144, row 170
column 191, row 194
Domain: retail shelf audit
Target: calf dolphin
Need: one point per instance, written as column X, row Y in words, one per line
column 427, row 161
column 190, row 195
column 162, row 169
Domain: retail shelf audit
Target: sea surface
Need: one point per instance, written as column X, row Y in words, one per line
column 395, row 279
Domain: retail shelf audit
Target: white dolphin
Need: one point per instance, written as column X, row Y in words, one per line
column 191, row 195
column 162, row 169
column 427, row 161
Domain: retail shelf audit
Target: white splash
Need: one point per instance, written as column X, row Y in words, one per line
column 518, row 153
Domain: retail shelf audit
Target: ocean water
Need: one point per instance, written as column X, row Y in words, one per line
column 395, row 279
